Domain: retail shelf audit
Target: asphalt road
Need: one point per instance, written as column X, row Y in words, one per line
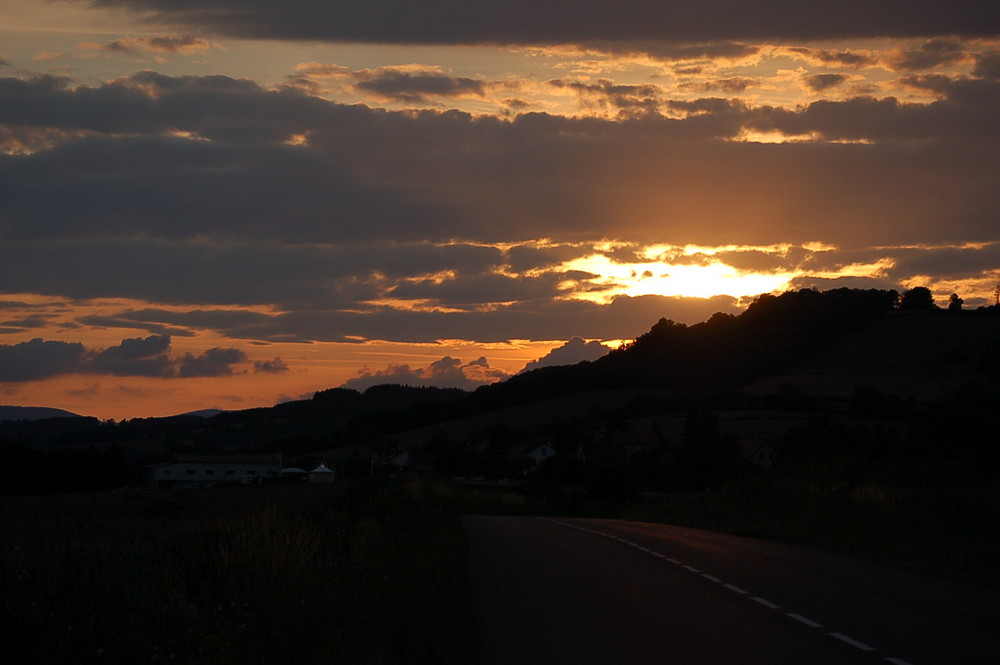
column 581, row 592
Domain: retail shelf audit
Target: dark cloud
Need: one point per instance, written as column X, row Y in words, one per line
column 522, row 258
column 27, row 322
column 214, row 362
column 164, row 44
column 122, row 321
column 734, row 85
column 607, row 94
column 836, row 58
column 962, row 116
column 756, row 260
column 988, row 65
column 962, row 92
column 39, row 359
column 574, row 351
column 821, row 82
column 565, row 21
column 445, row 373
column 478, row 290
column 675, row 51
column 146, row 357
column 539, row 319
column 948, row 262
column 931, row 54
column 134, row 357
column 276, row 366
column 370, row 174
column 113, row 203
column 418, row 87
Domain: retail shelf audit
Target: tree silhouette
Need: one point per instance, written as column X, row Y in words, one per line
column 917, row 299
column 955, row 303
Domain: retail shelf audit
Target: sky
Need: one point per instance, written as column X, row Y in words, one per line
column 232, row 203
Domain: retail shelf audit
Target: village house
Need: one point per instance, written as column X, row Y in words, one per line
column 208, row 470
column 540, row 453
column 322, row 474
column 758, row 453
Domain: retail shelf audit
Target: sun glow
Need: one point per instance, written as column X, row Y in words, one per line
column 696, row 280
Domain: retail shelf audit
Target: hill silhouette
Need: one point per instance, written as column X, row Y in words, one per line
column 33, row 413
column 785, row 351
column 726, row 353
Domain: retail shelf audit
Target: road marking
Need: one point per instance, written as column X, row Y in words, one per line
column 808, row 622
column 766, row 603
column 852, row 642
column 763, row 601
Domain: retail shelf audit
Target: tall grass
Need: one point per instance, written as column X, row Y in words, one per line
column 932, row 520
column 245, row 575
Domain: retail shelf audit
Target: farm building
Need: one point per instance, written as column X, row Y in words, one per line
column 207, row 470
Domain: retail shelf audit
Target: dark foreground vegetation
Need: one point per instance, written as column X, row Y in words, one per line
column 374, row 573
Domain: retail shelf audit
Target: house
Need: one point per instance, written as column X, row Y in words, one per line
column 540, row 453
column 208, row 470
column 322, row 474
column 758, row 453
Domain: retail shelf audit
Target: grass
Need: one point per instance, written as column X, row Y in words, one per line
column 374, row 574
column 944, row 524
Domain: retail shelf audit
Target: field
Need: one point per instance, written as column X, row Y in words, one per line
column 276, row 574
column 375, row 572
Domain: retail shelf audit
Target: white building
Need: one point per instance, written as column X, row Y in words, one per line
column 322, row 474
column 207, row 470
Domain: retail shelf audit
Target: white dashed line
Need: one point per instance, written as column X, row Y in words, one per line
column 766, row 603
column 852, row 642
column 808, row 622
column 763, row 601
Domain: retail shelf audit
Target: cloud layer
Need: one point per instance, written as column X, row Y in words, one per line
column 560, row 169
column 445, row 373
column 566, row 21
column 147, row 357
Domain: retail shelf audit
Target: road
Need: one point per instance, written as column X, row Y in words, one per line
column 587, row 591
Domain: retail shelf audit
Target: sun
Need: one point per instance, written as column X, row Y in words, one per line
column 704, row 279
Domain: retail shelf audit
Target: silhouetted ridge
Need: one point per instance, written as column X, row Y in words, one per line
column 718, row 355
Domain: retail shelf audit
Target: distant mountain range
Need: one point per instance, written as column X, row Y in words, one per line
column 33, row 413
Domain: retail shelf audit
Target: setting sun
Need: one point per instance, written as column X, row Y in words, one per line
column 704, row 279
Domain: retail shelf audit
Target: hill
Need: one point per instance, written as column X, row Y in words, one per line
column 842, row 353
column 33, row 413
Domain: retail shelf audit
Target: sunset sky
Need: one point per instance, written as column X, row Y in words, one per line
column 230, row 203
